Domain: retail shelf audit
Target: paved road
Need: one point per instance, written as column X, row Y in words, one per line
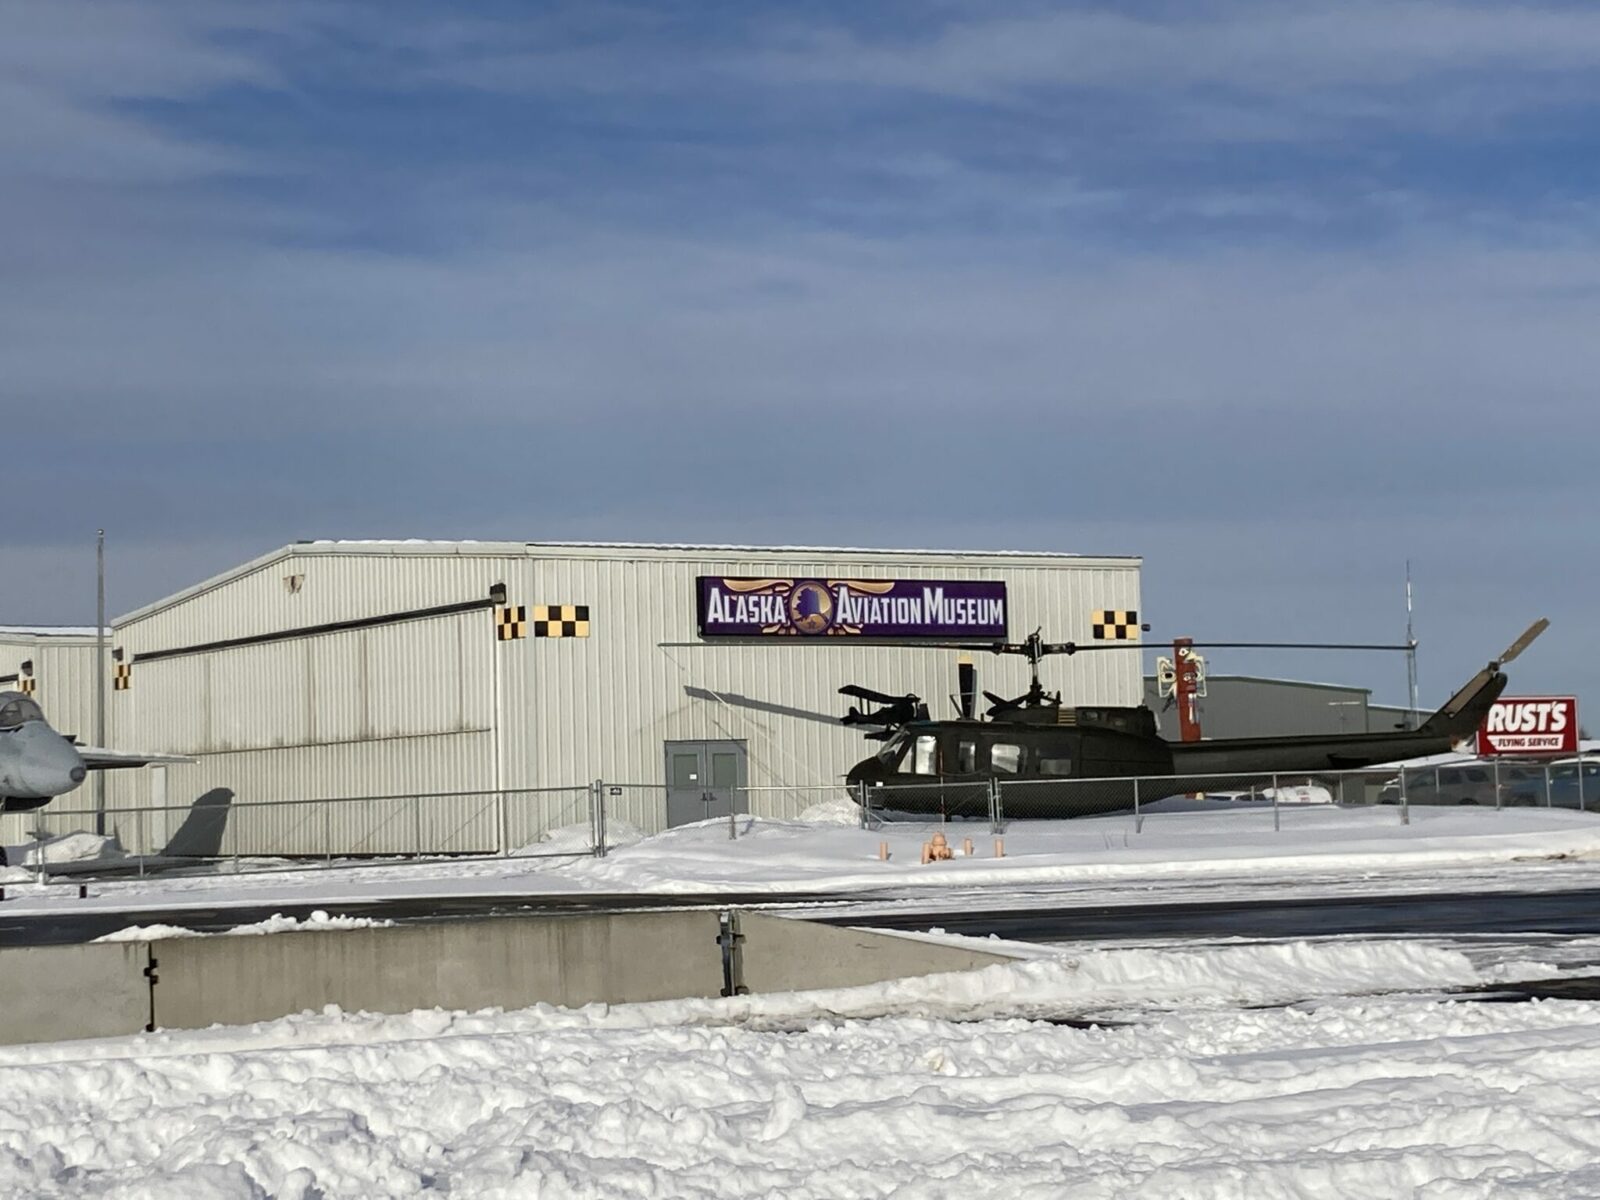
column 1571, row 913
column 67, row 926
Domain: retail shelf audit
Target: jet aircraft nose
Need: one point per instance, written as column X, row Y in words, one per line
column 49, row 765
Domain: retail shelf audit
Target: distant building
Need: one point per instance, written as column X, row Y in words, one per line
column 55, row 665
column 1256, row 706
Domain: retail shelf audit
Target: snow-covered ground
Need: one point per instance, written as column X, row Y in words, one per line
column 1217, row 849
column 1365, row 1084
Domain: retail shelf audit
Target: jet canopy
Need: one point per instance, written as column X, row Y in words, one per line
column 16, row 709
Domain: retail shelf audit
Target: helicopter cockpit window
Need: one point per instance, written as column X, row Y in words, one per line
column 923, row 756
column 893, row 749
column 17, row 710
column 1005, row 758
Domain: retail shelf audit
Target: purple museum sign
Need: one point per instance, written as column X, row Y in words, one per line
column 868, row 608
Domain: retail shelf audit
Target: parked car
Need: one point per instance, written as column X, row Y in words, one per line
column 1470, row 784
column 1521, row 785
column 1565, row 788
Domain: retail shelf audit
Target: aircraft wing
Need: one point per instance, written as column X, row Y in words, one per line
column 96, row 758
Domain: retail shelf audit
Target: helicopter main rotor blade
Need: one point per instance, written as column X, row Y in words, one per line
column 1295, row 646
column 967, row 687
column 1523, row 642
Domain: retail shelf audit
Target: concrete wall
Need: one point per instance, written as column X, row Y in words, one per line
column 782, row 954
column 59, row 993
column 510, row 963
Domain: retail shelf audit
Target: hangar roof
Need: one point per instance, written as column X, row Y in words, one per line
column 596, row 549
column 38, row 631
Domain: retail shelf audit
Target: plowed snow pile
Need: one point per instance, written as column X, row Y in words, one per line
column 1383, row 1095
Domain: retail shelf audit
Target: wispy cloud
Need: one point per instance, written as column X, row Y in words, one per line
column 1277, row 294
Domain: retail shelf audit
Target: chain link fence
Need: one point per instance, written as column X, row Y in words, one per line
column 593, row 818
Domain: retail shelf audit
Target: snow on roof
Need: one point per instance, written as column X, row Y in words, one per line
column 48, row 631
column 733, row 547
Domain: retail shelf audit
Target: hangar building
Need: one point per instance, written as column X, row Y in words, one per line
column 1257, row 706
column 55, row 665
column 462, row 671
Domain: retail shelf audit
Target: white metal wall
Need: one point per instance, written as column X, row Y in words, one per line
column 438, row 705
column 63, row 673
column 604, row 705
column 384, row 711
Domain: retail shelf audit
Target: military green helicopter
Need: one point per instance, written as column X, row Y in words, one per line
column 934, row 766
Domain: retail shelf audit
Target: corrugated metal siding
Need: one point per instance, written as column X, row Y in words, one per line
column 398, row 767
column 63, row 673
column 393, row 709
column 411, row 707
column 1270, row 707
column 358, row 582
column 625, row 690
column 64, row 686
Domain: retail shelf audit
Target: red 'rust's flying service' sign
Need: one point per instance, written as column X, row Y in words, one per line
column 1530, row 725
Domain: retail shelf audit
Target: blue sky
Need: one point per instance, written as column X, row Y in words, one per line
column 1276, row 296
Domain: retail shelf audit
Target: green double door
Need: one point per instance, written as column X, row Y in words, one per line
column 703, row 779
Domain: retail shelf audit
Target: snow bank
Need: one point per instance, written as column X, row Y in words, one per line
column 65, row 848
column 579, row 839
column 1218, row 849
column 277, row 923
column 839, row 810
column 1390, row 1096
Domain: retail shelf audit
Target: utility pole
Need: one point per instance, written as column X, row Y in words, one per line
column 1414, row 720
column 100, row 678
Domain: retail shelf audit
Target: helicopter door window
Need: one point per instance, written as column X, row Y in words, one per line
column 1055, row 766
column 923, row 756
column 1005, row 758
column 966, row 757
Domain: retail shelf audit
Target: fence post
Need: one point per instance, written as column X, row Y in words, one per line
column 733, row 814
column 1549, row 800
column 1496, row 785
column 1582, row 805
column 503, row 805
column 1138, row 817
column 327, row 830
column 1277, row 827
column 597, row 815
column 1405, row 799
column 863, row 798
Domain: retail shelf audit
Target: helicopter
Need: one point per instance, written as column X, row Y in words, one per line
column 942, row 766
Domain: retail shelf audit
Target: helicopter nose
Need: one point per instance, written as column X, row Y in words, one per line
column 49, row 764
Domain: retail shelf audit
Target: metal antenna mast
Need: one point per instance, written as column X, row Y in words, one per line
column 1411, row 655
